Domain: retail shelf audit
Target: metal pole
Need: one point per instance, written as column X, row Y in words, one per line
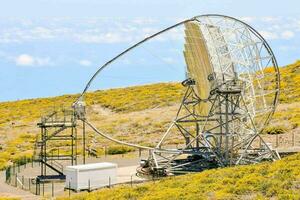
column 231, row 135
column 29, row 184
column 109, row 182
column 52, row 188
column 221, row 124
column 76, row 143
column 72, row 145
column 69, row 188
column 197, row 134
column 42, row 151
column 89, row 185
column 153, row 178
column 36, row 188
column 16, row 180
column 83, row 132
column 45, row 152
column 231, row 152
column 22, row 182
column 226, row 129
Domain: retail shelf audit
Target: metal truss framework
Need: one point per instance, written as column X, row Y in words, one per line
column 59, row 126
column 241, row 100
column 213, row 143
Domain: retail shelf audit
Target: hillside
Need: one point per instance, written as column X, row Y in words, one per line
column 278, row 180
column 128, row 113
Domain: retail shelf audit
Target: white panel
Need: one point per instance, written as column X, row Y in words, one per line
column 91, row 176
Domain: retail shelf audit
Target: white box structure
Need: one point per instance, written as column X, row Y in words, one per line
column 90, row 176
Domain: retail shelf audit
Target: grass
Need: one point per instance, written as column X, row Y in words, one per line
column 277, row 180
column 15, row 150
column 120, row 100
column 273, row 130
column 117, row 149
column 137, row 98
column 129, row 99
column 290, row 81
column 134, row 114
column 19, row 118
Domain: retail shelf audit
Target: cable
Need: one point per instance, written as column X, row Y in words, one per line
column 115, row 140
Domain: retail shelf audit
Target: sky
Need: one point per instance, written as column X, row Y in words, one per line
column 52, row 47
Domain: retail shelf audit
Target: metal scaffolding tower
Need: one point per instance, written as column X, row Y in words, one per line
column 58, row 142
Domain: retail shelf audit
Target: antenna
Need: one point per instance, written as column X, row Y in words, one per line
column 230, row 96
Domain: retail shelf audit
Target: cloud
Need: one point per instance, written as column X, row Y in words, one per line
column 247, row 19
column 42, row 61
column 85, row 62
column 25, row 60
column 42, row 32
column 28, row 60
column 287, row 35
column 287, row 48
column 143, row 21
column 277, row 35
column 168, row 60
column 100, row 31
column 270, row 19
column 121, row 30
column 109, row 38
column 268, row 35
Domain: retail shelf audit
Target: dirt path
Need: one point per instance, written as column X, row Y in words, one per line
column 127, row 165
column 10, row 191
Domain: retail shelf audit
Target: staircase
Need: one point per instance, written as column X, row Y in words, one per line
column 56, row 128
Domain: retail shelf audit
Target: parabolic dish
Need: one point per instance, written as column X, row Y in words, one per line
column 225, row 49
column 217, row 50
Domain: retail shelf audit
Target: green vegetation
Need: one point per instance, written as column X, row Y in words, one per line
column 117, row 149
column 132, row 115
column 15, row 117
column 121, row 99
column 273, row 130
column 10, row 198
column 131, row 98
column 290, row 81
column 137, row 98
column 112, row 150
column 287, row 116
column 278, row 180
column 17, row 150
